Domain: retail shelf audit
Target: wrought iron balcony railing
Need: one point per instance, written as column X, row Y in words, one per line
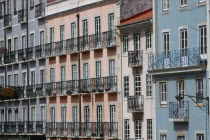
column 22, row 14
column 136, row 103
column 179, row 111
column 40, row 10
column 83, row 129
column 8, row 20
column 175, row 59
column 135, row 58
column 26, row 127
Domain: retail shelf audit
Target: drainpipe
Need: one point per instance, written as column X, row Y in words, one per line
column 5, row 42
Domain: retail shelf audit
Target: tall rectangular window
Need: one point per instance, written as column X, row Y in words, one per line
column 138, row 127
column 163, row 93
column 87, row 114
column 166, row 5
column 42, row 76
column 33, row 114
column 149, row 84
column 52, row 75
column 125, row 44
column 23, row 42
column 51, row 35
column 32, row 40
column 24, row 78
column 52, row 114
column 16, row 80
column 112, row 113
column 16, row 115
column 2, row 44
column 149, row 129
column 111, row 67
column 9, row 114
column 99, row 114
column 183, row 39
column 1, row 10
column 9, row 80
column 73, row 30
column 180, row 137
column 183, row 3
column 166, row 41
column 31, row 4
column 148, row 40
column 163, row 136
column 203, row 39
column 126, row 86
column 75, row 114
column 180, row 88
column 85, row 71
column 9, row 45
column 199, row 136
column 111, row 22
column 137, row 82
column 2, row 115
column 8, row 7
column 63, row 114
column 43, row 114
column 25, row 114
column 126, row 129
column 41, row 38
column 98, row 31
column 15, row 43
column 74, row 72
column 85, row 27
column 137, row 42
column 15, row 7
column 2, row 81
column 199, row 90
column 33, row 78
column 98, row 69
column 62, row 32
column 201, row 1
column 63, row 73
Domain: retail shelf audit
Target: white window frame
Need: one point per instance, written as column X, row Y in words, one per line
column 149, row 40
column 52, row 74
column 137, row 84
column 75, row 114
column 85, row 71
column 138, row 129
column 149, row 84
column 86, row 114
column 201, row 1
column 183, row 38
column 183, row 3
column 137, row 42
column 99, row 113
column 149, row 129
column 15, row 79
column 163, row 136
column 200, row 136
column 125, row 44
column 126, row 86
column 63, row 114
column 112, row 113
column 98, row 69
column 166, row 5
column 181, row 87
column 203, row 39
column 163, row 93
column 166, row 41
column 126, row 129
column 33, row 114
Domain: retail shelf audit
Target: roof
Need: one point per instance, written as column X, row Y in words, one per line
column 146, row 15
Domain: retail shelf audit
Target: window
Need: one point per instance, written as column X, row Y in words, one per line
column 16, row 80
column 51, row 35
column 203, row 39
column 32, row 40
column 183, row 3
column 126, row 129
column 62, row 32
column 137, row 42
column 163, row 93
column 25, row 114
column 73, row 30
column 98, row 69
column 33, row 76
column 52, row 75
column 85, row 71
column 1, row 10
column 201, row 1
column 33, row 114
column 137, row 129
column 9, row 114
column 125, row 44
column 148, row 40
column 180, row 88
column 9, row 80
column 126, row 86
column 15, row 43
column 166, row 41
column 87, row 114
column 31, row 4
column 180, row 137
column 163, row 137
column 63, row 114
column 99, row 114
column 52, row 114
column 149, row 129
column 63, row 73
column 23, row 42
column 85, row 27
column 23, row 4
column 149, row 85
column 74, row 72
column 111, row 22
column 112, row 113
column 75, row 114
column 98, row 31
column 2, row 80
column 111, row 67
column 16, row 114
column 24, row 78
column 15, row 7
column 42, row 75
column 199, row 90
column 9, row 45
column 43, row 114
column 2, row 44
column 41, row 38
column 8, row 6
column 166, row 5
column 184, row 38
column 199, row 136
column 2, row 115
column 137, row 82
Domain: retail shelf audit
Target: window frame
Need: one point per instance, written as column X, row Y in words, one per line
column 163, row 5
column 163, row 92
column 126, row 128
column 182, row 4
column 137, row 85
column 126, row 86
column 203, row 39
column 125, row 44
column 149, row 129
column 148, row 40
column 149, row 84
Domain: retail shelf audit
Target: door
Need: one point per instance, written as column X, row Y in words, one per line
column 74, row 77
column 62, row 39
column 113, row 126
column 137, row 129
column 87, row 120
column 85, row 34
column 99, row 83
column 73, row 37
column 166, row 46
column 85, row 77
column 184, row 47
column 52, row 118
column 98, row 32
column 112, row 78
column 42, row 41
column 63, row 80
column 75, row 124
column 63, row 120
column 111, row 30
column 51, row 48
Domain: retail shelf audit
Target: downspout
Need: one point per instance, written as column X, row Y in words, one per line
column 5, row 42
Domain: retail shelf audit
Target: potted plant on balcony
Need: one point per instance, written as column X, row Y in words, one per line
column 8, row 93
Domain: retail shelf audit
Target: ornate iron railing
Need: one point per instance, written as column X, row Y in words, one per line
column 28, row 127
column 179, row 111
column 175, row 59
column 83, row 129
column 39, row 10
column 135, row 103
column 7, row 20
column 22, row 14
column 135, row 58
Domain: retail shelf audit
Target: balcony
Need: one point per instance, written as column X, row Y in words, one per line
column 10, row 57
column 8, row 20
column 135, row 103
column 40, row 10
column 135, row 58
column 22, row 16
column 26, row 127
column 83, row 129
column 179, row 111
column 177, row 60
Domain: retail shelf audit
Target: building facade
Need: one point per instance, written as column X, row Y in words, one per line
column 178, row 65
